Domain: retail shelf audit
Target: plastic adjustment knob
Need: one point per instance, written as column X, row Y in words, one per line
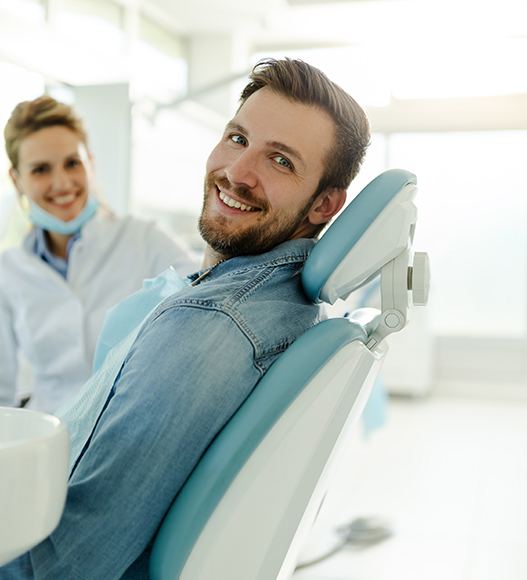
column 420, row 279
column 394, row 320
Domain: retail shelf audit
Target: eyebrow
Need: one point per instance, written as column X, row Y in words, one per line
column 35, row 163
column 46, row 162
column 231, row 126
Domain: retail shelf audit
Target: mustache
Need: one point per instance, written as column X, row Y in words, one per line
column 244, row 194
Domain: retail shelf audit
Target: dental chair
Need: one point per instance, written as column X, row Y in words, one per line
column 247, row 507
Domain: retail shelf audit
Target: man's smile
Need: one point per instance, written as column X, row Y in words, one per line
column 233, row 203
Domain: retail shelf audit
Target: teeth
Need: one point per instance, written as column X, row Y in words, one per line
column 233, row 203
column 64, row 199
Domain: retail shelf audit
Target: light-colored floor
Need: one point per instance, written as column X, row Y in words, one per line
column 450, row 476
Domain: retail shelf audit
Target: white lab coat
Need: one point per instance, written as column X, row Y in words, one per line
column 53, row 322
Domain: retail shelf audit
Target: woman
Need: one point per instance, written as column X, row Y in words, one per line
column 77, row 261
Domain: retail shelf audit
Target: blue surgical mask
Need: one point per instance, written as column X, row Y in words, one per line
column 40, row 217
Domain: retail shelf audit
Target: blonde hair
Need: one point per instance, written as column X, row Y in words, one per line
column 31, row 116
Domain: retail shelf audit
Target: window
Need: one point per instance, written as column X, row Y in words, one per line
column 160, row 70
column 473, row 216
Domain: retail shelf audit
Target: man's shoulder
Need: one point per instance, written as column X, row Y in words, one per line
column 265, row 302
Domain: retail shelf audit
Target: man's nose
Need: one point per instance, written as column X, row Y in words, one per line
column 243, row 170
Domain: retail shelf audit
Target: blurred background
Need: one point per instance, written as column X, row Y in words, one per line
column 443, row 86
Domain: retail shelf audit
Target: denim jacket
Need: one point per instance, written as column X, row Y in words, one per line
column 195, row 360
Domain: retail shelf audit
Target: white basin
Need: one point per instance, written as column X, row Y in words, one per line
column 34, row 456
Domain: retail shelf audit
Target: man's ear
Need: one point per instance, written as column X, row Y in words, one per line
column 327, row 204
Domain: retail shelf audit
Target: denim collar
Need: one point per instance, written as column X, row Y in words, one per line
column 288, row 252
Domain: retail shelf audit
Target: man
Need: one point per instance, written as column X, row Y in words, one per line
column 277, row 176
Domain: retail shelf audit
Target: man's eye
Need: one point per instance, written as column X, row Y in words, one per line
column 238, row 139
column 39, row 169
column 283, row 162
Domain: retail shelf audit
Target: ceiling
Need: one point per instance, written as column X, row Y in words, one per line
column 270, row 23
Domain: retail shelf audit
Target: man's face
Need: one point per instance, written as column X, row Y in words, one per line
column 262, row 175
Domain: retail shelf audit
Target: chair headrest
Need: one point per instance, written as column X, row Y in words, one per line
column 370, row 232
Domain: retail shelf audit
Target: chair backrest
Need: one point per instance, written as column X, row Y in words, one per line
column 246, row 507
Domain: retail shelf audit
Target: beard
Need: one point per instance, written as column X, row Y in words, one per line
column 266, row 232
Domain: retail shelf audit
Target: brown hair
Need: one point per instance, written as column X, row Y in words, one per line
column 31, row 116
column 306, row 84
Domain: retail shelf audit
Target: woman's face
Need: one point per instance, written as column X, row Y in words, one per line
column 54, row 171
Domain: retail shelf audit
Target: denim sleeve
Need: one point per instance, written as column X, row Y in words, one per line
column 186, row 374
